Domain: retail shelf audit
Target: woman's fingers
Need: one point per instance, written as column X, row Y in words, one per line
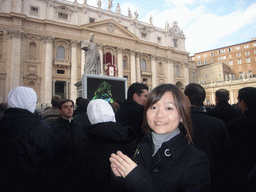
column 122, row 163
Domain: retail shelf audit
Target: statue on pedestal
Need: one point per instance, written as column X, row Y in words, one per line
column 109, row 4
column 92, row 56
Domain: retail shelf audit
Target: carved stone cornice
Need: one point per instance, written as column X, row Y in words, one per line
column 100, row 45
column 153, row 57
column 15, row 33
column 2, row 76
column 48, row 39
column 138, row 54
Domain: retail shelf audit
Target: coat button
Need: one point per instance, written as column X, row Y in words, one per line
column 167, row 153
column 156, row 169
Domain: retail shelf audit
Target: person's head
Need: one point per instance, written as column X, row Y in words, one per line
column 3, row 106
column 100, row 111
column 56, row 99
column 23, row 98
column 247, row 98
column 167, row 110
column 195, row 93
column 78, row 99
column 83, row 104
column 221, row 95
column 138, row 92
column 66, row 108
column 91, row 37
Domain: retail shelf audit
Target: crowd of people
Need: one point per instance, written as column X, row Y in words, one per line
column 159, row 140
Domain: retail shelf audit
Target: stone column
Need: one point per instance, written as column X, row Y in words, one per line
column 153, row 71
column 73, row 75
column 67, row 90
column 82, row 61
column 138, row 67
column 15, row 59
column 120, row 62
column 213, row 97
column 231, row 95
column 53, row 87
column 133, row 67
column 186, row 73
column 170, row 71
column 100, row 48
column 48, row 70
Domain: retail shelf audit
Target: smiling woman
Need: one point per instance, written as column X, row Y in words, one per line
column 165, row 159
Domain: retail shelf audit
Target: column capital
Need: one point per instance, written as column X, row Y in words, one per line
column 100, row 45
column 132, row 52
column 153, row 57
column 15, row 33
column 170, row 60
column 48, row 39
column 138, row 54
column 74, row 42
column 120, row 49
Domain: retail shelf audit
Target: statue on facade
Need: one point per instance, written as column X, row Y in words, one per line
column 109, row 4
column 85, row 1
column 167, row 26
column 99, row 3
column 118, row 8
column 151, row 20
column 136, row 15
column 92, row 56
column 129, row 13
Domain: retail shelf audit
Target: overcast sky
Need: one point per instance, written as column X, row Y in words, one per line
column 207, row 24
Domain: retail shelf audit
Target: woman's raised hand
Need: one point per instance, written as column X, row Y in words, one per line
column 121, row 164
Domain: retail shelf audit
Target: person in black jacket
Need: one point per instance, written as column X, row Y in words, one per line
column 31, row 152
column 223, row 110
column 73, row 135
column 165, row 159
column 131, row 110
column 210, row 135
column 105, row 136
column 242, row 132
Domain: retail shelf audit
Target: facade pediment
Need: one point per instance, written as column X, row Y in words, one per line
column 110, row 27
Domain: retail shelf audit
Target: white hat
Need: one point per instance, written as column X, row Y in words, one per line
column 100, row 111
column 23, row 98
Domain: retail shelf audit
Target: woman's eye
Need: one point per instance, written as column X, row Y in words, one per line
column 169, row 108
column 152, row 107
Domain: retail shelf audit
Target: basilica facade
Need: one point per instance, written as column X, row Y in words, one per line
column 40, row 47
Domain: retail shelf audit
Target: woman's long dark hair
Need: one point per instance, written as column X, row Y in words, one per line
column 180, row 102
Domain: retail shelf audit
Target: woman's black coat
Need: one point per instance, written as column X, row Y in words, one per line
column 177, row 166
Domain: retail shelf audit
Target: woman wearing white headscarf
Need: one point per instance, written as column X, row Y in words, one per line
column 28, row 144
column 105, row 136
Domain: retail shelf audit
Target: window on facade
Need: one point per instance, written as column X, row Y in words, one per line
column 254, row 51
column 177, row 70
column 254, row 44
column 205, row 55
column 125, row 62
column 249, row 73
column 248, row 59
column 219, row 74
column 239, row 61
column 60, row 53
column 238, row 48
column 224, row 57
column 205, row 77
column 246, row 46
column 212, row 53
column 59, row 71
column 229, row 49
column 230, row 56
column 205, row 61
column 247, row 53
column 62, row 16
column 175, row 42
column 160, row 68
column 220, row 58
column 32, row 50
column 238, row 54
column 232, row 76
column 91, row 20
column 199, row 63
column 144, row 79
column 143, row 65
column 144, row 35
column 159, row 39
column 34, row 10
column 240, row 75
column 198, row 56
column 218, row 51
column 231, row 62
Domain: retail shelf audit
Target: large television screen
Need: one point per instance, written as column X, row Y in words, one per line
column 104, row 87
